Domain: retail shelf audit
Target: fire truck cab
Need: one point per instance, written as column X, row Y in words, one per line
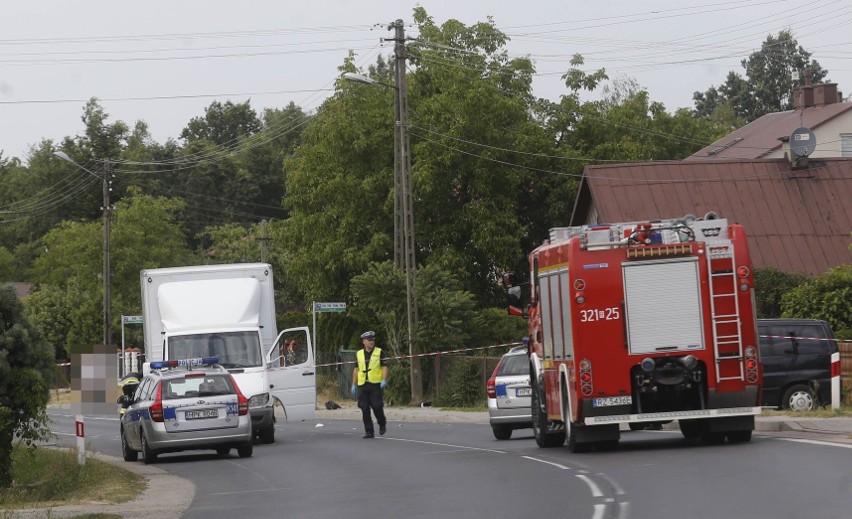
column 641, row 323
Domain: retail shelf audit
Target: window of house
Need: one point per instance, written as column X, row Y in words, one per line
column 846, row 144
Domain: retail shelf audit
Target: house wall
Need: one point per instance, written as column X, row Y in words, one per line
column 827, row 136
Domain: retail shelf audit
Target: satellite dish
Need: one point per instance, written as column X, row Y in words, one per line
column 802, row 142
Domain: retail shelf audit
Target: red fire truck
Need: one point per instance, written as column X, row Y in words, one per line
column 642, row 323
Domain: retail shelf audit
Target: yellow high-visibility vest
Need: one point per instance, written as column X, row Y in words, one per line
column 371, row 372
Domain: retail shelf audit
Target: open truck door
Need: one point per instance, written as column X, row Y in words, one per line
column 291, row 365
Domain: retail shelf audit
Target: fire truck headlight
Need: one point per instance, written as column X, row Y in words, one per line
column 648, row 364
column 690, row 362
column 744, row 286
column 579, row 298
column 749, row 351
column 585, row 365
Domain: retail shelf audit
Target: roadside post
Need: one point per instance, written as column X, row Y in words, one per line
column 320, row 308
column 81, row 440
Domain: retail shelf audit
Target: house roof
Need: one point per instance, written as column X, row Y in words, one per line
column 797, row 221
column 761, row 136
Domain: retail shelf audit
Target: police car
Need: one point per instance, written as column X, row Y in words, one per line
column 183, row 405
column 509, row 394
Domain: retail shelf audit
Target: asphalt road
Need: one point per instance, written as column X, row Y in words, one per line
column 323, row 468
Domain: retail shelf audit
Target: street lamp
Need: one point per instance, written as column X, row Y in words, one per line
column 404, row 256
column 107, row 324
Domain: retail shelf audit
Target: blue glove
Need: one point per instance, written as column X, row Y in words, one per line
column 354, row 389
column 384, row 384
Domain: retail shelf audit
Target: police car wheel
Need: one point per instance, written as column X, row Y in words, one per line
column 245, row 450
column 267, row 435
column 149, row 456
column 223, row 451
column 126, row 452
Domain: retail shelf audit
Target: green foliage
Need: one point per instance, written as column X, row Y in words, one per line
column 768, row 84
column 827, row 297
column 398, row 391
column 26, row 366
column 462, row 384
column 6, row 265
column 770, row 284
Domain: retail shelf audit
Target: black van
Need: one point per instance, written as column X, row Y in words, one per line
column 796, row 358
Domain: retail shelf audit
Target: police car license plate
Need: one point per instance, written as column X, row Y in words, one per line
column 609, row 401
column 523, row 391
column 201, row 414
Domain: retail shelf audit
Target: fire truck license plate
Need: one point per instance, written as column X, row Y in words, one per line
column 204, row 413
column 608, row 401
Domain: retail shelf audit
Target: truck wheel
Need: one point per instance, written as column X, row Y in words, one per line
column 539, row 419
column 126, row 452
column 267, row 435
column 501, row 432
column 570, row 429
column 799, row 397
column 149, row 456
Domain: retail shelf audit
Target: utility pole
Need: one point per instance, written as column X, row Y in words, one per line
column 404, row 208
column 106, row 272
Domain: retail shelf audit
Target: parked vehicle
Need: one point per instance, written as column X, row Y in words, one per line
column 509, row 392
column 797, row 362
column 228, row 312
column 193, row 404
column 641, row 323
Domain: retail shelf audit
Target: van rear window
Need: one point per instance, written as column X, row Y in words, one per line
column 793, row 338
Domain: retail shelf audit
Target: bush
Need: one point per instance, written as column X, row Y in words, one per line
column 462, row 384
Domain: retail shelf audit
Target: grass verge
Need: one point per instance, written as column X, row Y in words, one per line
column 46, row 477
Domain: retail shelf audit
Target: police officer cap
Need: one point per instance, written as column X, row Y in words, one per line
column 368, row 335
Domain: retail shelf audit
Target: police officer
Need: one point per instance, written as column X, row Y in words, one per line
column 369, row 379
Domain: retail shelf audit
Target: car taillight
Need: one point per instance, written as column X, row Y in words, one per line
column 242, row 401
column 156, row 408
column 490, row 387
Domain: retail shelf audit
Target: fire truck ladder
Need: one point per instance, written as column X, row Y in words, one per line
column 727, row 327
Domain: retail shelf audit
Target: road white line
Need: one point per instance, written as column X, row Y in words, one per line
column 462, row 447
column 596, row 491
column 557, row 465
column 618, row 490
column 600, row 510
column 818, row 442
column 623, row 510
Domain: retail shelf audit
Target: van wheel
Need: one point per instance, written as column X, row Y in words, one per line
column 267, row 435
column 501, row 432
column 799, row 398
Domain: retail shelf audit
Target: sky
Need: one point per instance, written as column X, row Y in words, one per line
column 165, row 61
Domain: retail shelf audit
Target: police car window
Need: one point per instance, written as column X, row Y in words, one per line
column 514, row 365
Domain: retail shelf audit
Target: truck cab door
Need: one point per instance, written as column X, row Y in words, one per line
column 291, row 369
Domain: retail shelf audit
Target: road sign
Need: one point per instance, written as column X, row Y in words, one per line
column 131, row 319
column 330, row 307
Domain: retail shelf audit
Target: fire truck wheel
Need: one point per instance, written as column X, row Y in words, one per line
column 739, row 436
column 690, row 428
column 501, row 432
column 799, row 398
column 637, row 426
column 713, row 438
column 539, row 417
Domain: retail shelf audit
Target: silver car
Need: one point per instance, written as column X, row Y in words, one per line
column 181, row 407
column 509, row 394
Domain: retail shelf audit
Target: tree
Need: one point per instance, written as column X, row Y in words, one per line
column 768, row 84
column 26, row 365
column 770, row 285
column 827, row 297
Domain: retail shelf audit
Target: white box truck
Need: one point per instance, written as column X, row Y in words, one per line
column 228, row 312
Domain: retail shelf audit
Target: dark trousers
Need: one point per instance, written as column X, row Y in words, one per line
column 370, row 397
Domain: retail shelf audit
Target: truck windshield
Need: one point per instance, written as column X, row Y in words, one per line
column 234, row 349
